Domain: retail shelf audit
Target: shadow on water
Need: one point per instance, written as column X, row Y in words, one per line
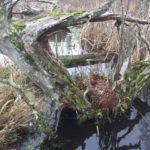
column 130, row 131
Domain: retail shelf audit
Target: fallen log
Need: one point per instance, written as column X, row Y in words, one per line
column 85, row 59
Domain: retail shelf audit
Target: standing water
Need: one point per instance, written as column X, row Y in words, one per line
column 130, row 131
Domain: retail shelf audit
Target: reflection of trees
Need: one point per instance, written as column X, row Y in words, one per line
column 73, row 135
column 70, row 133
column 109, row 138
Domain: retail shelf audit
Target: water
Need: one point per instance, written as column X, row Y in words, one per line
column 66, row 42
column 128, row 132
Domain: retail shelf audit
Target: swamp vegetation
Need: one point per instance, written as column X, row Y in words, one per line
column 38, row 92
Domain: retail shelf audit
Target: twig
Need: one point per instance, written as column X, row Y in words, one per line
column 17, row 87
column 11, row 6
column 142, row 38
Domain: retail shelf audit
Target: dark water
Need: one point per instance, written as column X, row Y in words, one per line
column 128, row 132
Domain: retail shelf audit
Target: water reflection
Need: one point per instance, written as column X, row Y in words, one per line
column 127, row 132
column 64, row 42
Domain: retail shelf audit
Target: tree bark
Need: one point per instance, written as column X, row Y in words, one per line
column 86, row 59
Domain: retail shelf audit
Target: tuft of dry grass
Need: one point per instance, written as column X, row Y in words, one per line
column 77, row 5
column 104, row 36
column 14, row 118
column 15, row 115
column 99, row 37
column 101, row 95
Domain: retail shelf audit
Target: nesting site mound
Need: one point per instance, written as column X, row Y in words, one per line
column 100, row 94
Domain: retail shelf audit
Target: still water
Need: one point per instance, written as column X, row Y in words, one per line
column 128, row 132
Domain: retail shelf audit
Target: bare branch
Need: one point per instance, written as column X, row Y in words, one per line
column 77, row 19
column 115, row 16
column 10, row 8
column 17, row 88
column 48, row 2
column 28, row 11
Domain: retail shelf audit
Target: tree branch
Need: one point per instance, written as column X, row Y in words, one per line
column 28, row 11
column 48, row 2
column 11, row 6
column 39, row 118
column 17, row 88
column 77, row 19
column 115, row 16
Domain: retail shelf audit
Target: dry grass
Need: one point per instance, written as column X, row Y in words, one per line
column 14, row 112
column 14, row 117
column 14, row 124
column 76, row 5
column 99, row 37
column 101, row 95
column 105, row 36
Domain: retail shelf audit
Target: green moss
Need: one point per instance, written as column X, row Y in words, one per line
column 20, row 45
column 4, row 72
column 90, row 115
column 44, row 127
column 57, row 14
column 142, row 62
column 73, row 13
column 28, row 58
column 18, row 25
column 135, row 80
column 35, row 46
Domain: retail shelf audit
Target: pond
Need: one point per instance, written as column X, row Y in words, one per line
column 66, row 42
column 128, row 132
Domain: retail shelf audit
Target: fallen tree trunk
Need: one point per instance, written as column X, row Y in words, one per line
column 86, row 59
column 42, row 68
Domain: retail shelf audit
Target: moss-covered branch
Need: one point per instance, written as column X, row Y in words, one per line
column 84, row 59
column 135, row 79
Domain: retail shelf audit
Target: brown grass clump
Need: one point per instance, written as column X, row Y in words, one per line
column 99, row 37
column 104, row 36
column 101, row 95
column 14, row 118
column 77, row 5
column 6, row 98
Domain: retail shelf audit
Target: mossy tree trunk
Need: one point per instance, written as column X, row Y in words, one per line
column 40, row 65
